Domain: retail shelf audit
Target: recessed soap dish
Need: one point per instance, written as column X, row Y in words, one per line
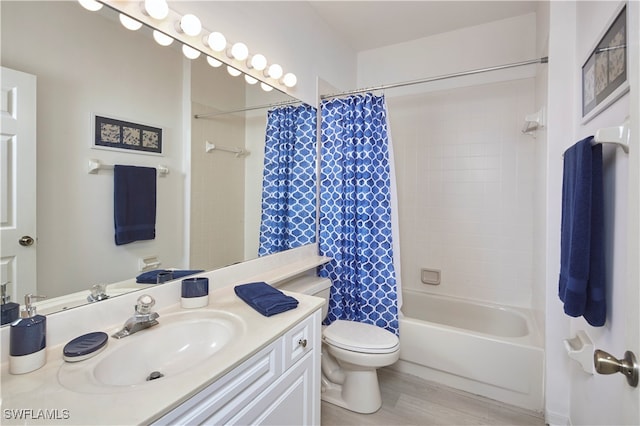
column 85, row 346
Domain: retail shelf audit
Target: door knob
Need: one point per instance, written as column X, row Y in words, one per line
column 606, row 363
column 26, row 241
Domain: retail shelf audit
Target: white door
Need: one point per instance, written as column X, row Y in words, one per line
column 625, row 333
column 18, row 183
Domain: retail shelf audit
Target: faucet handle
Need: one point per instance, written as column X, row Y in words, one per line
column 144, row 304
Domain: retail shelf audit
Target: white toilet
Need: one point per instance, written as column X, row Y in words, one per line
column 351, row 354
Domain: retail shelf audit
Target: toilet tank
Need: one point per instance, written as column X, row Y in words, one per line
column 311, row 285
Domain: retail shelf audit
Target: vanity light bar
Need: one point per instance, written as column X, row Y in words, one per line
column 188, row 30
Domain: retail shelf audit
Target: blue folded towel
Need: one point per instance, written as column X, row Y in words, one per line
column 151, row 277
column 134, row 203
column 265, row 299
column 582, row 270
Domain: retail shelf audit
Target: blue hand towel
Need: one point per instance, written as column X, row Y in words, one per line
column 265, row 299
column 582, row 271
column 134, row 203
column 151, row 277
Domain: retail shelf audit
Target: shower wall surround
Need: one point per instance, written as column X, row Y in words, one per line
column 466, row 183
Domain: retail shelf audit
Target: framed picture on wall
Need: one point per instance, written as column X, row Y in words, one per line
column 604, row 73
column 114, row 133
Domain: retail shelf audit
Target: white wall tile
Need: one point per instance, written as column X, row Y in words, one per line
column 470, row 197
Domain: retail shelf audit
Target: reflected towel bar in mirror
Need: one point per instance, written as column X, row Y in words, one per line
column 239, row 152
column 95, row 166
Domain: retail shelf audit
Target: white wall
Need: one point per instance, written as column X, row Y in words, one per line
column 87, row 64
column 217, row 178
column 465, row 171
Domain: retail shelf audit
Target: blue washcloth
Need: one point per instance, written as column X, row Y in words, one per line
column 134, row 203
column 582, row 271
column 265, row 299
column 151, row 277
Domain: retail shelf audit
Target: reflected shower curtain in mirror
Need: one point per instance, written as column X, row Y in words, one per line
column 289, row 179
column 356, row 211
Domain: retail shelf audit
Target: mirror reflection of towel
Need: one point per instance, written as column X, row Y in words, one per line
column 151, row 277
column 134, row 203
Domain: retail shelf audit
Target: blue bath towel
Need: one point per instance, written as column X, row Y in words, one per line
column 265, row 299
column 151, row 277
column 582, row 271
column 134, row 202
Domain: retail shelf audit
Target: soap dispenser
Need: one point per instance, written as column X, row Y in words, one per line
column 28, row 339
column 10, row 310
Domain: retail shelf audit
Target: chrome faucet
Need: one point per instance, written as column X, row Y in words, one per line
column 143, row 317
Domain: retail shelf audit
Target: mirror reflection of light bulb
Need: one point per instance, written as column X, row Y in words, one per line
column 266, row 87
column 161, row 38
column 157, row 9
column 190, row 52
column 234, row 72
column 190, row 25
column 216, row 41
column 275, row 71
column 213, row 62
column 130, row 23
column 249, row 79
column 240, row 51
column 290, row 79
column 91, row 5
column 258, row 62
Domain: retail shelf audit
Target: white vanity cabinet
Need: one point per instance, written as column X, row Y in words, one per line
column 279, row 385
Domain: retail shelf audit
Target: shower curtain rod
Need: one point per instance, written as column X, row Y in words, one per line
column 542, row 60
column 277, row 104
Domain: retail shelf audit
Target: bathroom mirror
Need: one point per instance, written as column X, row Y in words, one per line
column 87, row 64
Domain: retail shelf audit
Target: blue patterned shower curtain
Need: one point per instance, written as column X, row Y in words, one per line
column 355, row 211
column 289, row 179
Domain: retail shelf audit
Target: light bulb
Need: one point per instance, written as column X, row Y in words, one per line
column 240, row 51
column 130, row 23
column 250, row 79
column 213, row 62
column 289, row 79
column 190, row 52
column 234, row 72
column 161, row 38
column 216, row 41
column 91, row 5
column 266, row 87
column 157, row 9
column 190, row 25
column 275, row 71
column 258, row 62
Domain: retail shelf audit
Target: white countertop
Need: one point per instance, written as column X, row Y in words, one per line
column 43, row 400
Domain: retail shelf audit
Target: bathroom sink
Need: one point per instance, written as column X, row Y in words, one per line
column 180, row 342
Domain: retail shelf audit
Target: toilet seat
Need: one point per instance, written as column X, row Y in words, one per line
column 360, row 337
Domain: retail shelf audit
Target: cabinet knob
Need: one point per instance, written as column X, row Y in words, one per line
column 303, row 342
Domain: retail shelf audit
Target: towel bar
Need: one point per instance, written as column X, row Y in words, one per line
column 618, row 135
column 239, row 152
column 95, row 166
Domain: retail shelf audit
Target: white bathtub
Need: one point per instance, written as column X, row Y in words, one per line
column 484, row 349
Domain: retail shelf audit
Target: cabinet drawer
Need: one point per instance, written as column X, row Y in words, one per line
column 222, row 399
column 299, row 341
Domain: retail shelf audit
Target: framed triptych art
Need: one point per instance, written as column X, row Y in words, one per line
column 604, row 73
column 113, row 133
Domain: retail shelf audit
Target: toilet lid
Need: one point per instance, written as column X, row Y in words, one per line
column 360, row 337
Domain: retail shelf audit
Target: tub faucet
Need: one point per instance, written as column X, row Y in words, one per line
column 143, row 317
